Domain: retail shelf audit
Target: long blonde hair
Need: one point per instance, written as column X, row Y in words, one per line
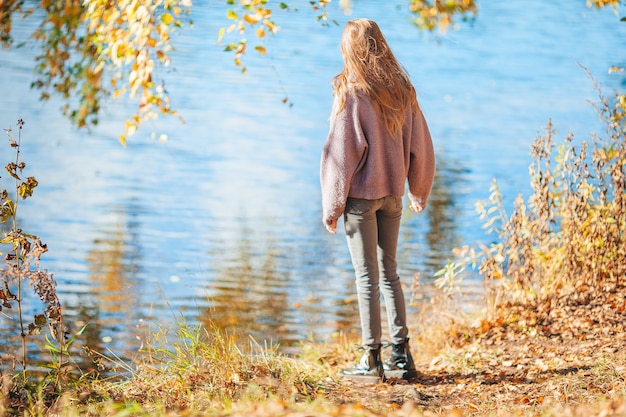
column 370, row 67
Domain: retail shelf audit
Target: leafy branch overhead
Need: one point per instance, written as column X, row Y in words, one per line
column 94, row 50
column 434, row 14
column 253, row 14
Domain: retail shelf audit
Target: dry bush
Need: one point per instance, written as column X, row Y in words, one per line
column 568, row 235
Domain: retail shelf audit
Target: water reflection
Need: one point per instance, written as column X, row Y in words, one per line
column 110, row 310
column 87, row 347
column 10, row 353
column 347, row 314
column 113, row 263
column 443, row 212
column 248, row 295
column 257, row 291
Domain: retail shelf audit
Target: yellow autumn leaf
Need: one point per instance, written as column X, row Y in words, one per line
column 230, row 14
column 251, row 19
column 271, row 26
column 261, row 49
column 167, row 18
column 220, row 35
column 131, row 128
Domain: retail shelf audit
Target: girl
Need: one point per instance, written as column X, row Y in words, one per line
column 378, row 139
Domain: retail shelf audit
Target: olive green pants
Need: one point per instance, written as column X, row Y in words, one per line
column 372, row 228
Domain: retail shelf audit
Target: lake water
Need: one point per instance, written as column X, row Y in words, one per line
column 221, row 224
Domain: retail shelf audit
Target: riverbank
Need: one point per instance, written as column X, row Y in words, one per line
column 560, row 356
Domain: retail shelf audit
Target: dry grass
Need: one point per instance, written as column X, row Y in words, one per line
column 514, row 366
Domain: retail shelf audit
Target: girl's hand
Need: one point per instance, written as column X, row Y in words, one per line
column 416, row 208
column 332, row 226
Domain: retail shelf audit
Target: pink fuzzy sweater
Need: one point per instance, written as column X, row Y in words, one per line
column 361, row 160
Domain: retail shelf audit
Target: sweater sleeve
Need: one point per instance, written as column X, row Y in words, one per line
column 342, row 155
column 422, row 162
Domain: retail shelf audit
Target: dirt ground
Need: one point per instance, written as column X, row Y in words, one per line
column 560, row 353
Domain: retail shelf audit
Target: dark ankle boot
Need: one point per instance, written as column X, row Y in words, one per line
column 369, row 368
column 400, row 364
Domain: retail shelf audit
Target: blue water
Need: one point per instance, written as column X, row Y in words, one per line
column 221, row 223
